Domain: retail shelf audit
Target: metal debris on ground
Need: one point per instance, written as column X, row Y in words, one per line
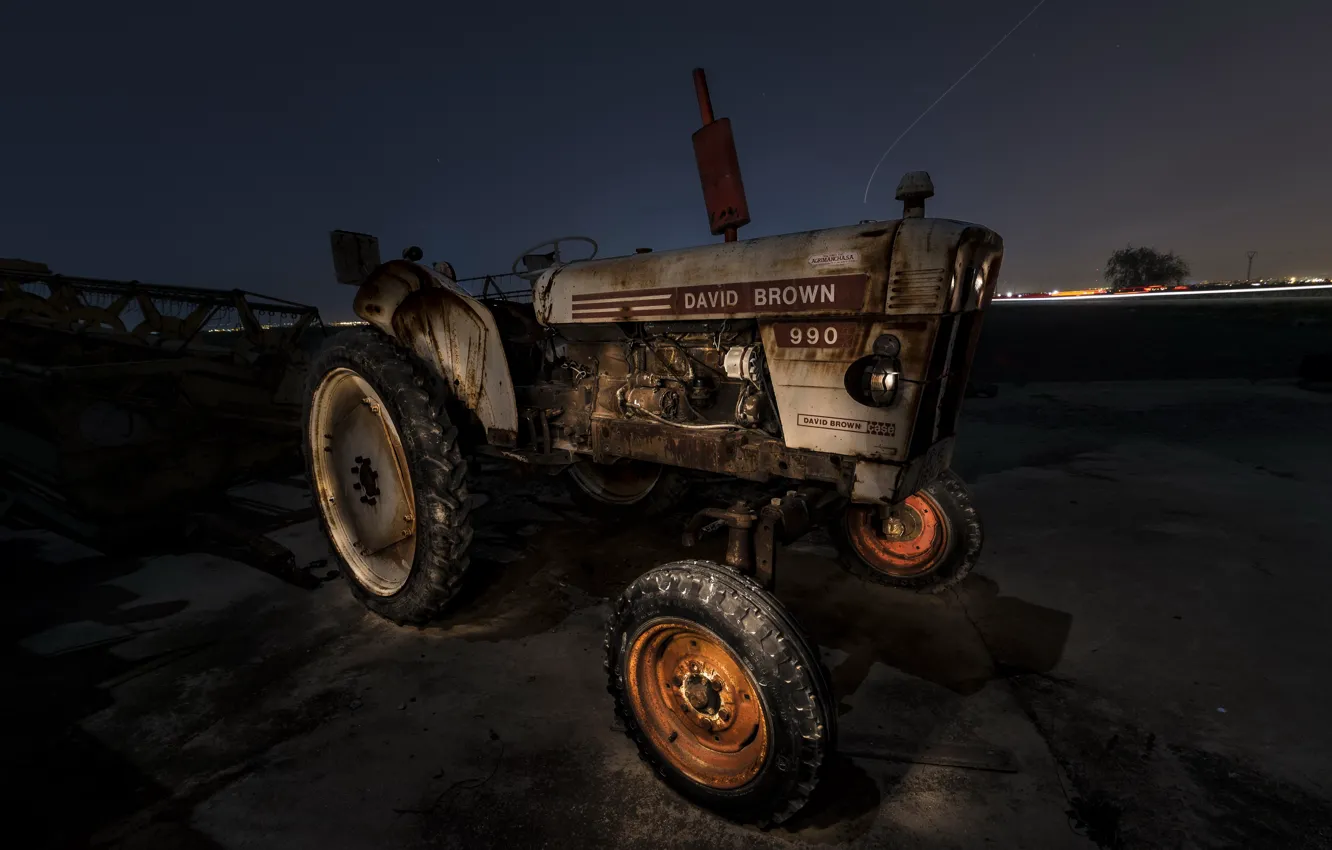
column 131, row 404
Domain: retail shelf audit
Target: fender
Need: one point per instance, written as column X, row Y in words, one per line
column 429, row 313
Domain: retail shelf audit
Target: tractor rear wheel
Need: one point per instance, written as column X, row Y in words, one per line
column 932, row 541
column 720, row 690
column 626, row 486
column 387, row 476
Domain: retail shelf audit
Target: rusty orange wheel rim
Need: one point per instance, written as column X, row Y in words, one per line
column 697, row 704
column 911, row 550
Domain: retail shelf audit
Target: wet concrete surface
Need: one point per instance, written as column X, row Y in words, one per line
column 1140, row 660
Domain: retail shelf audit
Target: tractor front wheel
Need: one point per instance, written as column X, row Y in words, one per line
column 930, row 542
column 721, row 691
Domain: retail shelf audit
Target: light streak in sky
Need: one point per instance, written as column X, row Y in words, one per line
column 955, row 84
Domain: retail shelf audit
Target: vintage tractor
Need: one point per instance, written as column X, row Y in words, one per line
column 834, row 359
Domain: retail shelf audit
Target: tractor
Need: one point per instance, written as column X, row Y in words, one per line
column 831, row 363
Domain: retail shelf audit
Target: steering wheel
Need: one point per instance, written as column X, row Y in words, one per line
column 533, row 274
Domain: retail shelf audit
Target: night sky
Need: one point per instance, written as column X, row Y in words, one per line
column 216, row 144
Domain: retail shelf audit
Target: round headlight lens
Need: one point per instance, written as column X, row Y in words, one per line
column 881, row 381
column 873, row 381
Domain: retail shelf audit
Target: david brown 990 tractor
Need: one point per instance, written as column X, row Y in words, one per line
column 835, row 360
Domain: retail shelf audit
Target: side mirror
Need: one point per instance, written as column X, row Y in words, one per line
column 355, row 255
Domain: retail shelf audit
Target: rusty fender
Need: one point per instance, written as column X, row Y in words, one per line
column 454, row 333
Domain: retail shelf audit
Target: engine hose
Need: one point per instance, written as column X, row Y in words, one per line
column 719, row 426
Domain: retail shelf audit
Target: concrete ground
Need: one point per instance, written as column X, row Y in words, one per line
column 1143, row 655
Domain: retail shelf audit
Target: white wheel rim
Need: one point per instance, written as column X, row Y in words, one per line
column 361, row 481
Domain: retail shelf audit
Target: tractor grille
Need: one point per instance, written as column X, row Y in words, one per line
column 946, row 382
column 917, row 289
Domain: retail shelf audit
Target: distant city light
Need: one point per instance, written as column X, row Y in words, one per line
column 1304, row 284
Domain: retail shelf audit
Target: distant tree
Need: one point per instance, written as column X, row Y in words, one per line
column 1131, row 267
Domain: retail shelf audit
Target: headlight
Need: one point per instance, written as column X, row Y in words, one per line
column 873, row 380
column 882, row 382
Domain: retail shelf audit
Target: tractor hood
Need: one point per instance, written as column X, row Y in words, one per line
column 907, row 266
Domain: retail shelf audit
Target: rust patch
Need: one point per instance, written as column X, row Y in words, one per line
column 697, row 704
column 739, row 454
column 432, row 323
column 501, row 437
column 910, row 546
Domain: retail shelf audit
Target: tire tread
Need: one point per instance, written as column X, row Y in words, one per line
column 434, row 457
column 746, row 606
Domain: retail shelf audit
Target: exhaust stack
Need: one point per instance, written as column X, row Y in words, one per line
column 718, row 168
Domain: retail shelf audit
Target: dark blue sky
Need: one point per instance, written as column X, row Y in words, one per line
column 216, row 144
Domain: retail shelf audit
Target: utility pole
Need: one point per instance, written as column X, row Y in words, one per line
column 1248, row 276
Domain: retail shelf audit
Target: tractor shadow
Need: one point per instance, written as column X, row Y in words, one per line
column 949, row 645
column 537, row 558
column 960, row 639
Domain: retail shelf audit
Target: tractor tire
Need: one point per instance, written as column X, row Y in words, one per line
column 385, row 466
column 721, row 691
column 626, row 488
column 938, row 548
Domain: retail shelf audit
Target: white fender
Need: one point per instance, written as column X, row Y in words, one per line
column 455, row 333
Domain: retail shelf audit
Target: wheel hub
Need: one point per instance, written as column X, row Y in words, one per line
column 365, row 478
column 908, row 542
column 706, row 696
column 699, row 695
column 698, row 704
